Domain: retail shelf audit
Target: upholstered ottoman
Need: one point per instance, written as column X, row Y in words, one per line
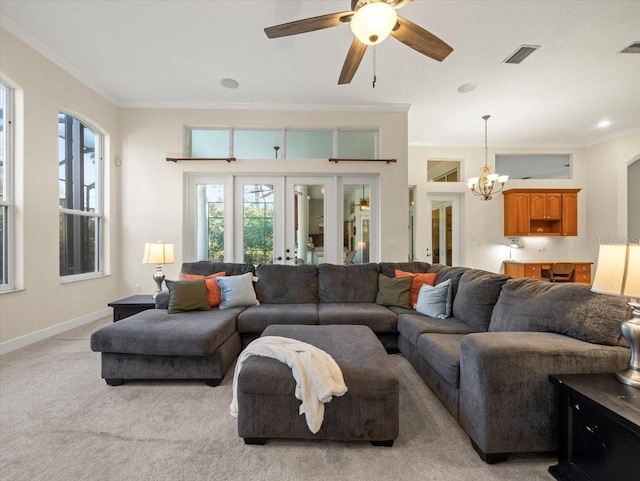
column 369, row 411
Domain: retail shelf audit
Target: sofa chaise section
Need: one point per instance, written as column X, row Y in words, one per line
column 156, row 345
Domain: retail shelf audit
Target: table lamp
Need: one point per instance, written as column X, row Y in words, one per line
column 158, row 253
column 618, row 274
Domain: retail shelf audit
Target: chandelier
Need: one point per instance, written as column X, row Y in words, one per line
column 486, row 184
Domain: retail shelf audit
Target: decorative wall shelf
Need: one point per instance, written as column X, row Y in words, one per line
column 183, row 159
column 388, row 161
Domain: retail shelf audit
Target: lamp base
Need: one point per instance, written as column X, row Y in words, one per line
column 630, row 377
column 631, row 332
column 159, row 278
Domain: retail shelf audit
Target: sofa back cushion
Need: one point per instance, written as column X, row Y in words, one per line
column 206, row 268
column 389, row 268
column 280, row 284
column 566, row 308
column 351, row 283
column 478, row 292
column 446, row 272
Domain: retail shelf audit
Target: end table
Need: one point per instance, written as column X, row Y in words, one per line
column 599, row 429
column 131, row 305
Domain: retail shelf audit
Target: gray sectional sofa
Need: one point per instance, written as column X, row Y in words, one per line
column 488, row 362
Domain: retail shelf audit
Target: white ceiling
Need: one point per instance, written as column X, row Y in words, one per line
column 174, row 54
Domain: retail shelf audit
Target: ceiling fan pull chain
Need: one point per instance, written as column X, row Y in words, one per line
column 374, row 67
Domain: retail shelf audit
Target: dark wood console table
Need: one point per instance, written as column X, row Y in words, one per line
column 131, row 305
column 599, row 429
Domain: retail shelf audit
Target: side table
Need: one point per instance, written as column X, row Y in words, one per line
column 599, row 429
column 131, row 305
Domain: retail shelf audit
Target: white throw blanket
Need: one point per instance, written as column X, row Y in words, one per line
column 318, row 377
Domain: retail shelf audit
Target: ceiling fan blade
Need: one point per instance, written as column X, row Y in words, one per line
column 399, row 3
column 421, row 40
column 351, row 63
column 309, row 24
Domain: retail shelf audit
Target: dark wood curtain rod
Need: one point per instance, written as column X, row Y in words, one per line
column 181, row 159
column 388, row 161
column 233, row 159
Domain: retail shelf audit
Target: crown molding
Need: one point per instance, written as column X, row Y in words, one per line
column 49, row 54
column 172, row 104
column 614, row 135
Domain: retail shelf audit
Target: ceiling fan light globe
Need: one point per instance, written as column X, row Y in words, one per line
column 373, row 22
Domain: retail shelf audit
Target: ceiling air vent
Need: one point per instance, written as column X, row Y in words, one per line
column 523, row 52
column 633, row 48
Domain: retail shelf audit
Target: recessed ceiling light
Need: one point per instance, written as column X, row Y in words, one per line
column 604, row 123
column 463, row 89
column 229, row 83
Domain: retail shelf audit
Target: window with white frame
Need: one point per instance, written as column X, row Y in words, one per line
column 6, row 187
column 287, row 143
column 80, row 197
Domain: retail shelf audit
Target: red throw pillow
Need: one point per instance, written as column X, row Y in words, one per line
column 418, row 280
column 214, row 296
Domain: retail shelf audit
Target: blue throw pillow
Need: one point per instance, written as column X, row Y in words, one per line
column 435, row 301
column 237, row 291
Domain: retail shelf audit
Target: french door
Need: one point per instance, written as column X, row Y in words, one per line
column 284, row 220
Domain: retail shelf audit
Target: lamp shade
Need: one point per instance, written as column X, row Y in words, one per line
column 158, row 253
column 618, row 270
column 373, row 22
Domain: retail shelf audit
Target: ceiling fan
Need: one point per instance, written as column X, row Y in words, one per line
column 371, row 22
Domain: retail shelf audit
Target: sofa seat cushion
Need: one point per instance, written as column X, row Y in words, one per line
column 564, row 308
column 255, row 319
column 401, row 310
column 478, row 293
column 156, row 332
column 412, row 326
column 442, row 353
column 280, row 284
column 377, row 318
column 351, row 283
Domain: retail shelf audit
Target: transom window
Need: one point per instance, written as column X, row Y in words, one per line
column 534, row 166
column 80, row 197
column 283, row 143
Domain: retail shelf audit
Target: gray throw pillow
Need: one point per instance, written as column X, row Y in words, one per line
column 187, row 296
column 435, row 301
column 394, row 291
column 237, row 291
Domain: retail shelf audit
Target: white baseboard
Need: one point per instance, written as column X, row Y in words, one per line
column 27, row 339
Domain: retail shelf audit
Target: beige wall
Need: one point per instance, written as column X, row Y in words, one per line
column 607, row 183
column 483, row 244
column 153, row 190
column 42, row 302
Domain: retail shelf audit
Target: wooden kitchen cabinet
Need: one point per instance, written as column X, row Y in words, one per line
column 541, row 212
column 546, row 206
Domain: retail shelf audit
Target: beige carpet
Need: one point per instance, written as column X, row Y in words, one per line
column 60, row 421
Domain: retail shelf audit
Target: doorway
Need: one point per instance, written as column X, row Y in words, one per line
column 443, row 233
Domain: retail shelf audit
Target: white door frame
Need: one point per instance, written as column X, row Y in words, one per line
column 329, row 215
column 278, row 216
column 456, row 220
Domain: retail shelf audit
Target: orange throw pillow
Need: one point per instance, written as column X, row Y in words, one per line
column 214, row 296
column 418, row 280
